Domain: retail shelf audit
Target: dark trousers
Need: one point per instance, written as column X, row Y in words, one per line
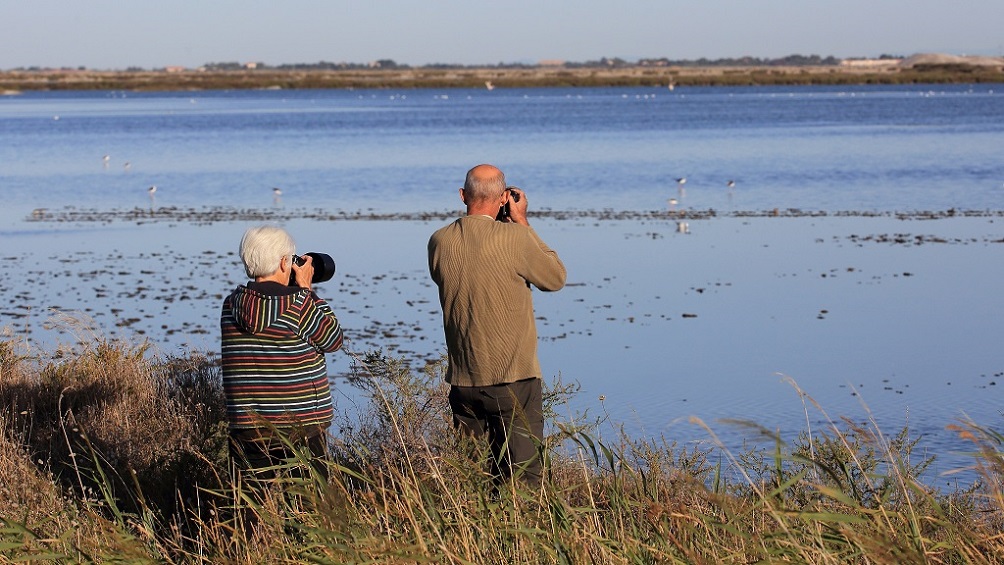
column 257, row 452
column 262, row 458
column 512, row 416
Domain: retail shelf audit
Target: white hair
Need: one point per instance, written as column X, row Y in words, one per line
column 262, row 250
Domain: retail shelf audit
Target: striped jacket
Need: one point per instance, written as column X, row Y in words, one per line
column 274, row 339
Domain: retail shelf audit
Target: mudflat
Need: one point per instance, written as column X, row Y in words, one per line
column 12, row 82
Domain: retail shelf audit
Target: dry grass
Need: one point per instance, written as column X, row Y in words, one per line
column 109, row 454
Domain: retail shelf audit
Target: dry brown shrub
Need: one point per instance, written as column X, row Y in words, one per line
column 109, row 409
column 46, row 523
column 29, row 498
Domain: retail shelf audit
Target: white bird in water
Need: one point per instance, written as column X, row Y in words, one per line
column 681, row 181
column 277, row 191
column 151, row 190
column 731, row 184
column 276, row 195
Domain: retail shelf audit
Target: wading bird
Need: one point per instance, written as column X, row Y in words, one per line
column 151, row 191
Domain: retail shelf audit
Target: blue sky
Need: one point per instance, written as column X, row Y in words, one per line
column 115, row 34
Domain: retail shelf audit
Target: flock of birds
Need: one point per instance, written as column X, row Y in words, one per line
column 683, row 180
column 276, row 193
column 107, row 161
column 682, row 227
column 152, row 189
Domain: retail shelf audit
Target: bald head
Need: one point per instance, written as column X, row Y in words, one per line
column 484, row 183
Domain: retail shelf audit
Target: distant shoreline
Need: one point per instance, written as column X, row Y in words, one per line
column 14, row 82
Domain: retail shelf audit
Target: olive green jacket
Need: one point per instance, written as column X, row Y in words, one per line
column 484, row 270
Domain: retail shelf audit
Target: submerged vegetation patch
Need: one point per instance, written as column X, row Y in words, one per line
column 214, row 214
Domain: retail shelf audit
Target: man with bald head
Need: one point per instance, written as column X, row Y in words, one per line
column 484, row 265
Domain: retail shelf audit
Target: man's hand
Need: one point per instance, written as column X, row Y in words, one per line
column 517, row 206
column 304, row 273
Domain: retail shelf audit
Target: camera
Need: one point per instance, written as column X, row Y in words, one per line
column 324, row 267
column 503, row 215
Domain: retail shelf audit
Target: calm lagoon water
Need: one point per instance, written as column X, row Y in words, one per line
column 872, row 316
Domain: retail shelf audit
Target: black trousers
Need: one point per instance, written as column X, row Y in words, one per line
column 256, row 452
column 512, row 416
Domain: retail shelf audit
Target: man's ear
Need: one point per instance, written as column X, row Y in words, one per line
column 463, row 198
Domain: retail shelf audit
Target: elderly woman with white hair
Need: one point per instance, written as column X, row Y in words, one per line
column 274, row 337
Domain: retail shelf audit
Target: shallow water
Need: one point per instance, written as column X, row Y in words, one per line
column 815, row 148
column 711, row 326
column 872, row 316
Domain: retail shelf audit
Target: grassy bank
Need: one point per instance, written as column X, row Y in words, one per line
column 17, row 81
column 110, row 454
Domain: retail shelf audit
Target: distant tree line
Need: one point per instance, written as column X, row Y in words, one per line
column 389, row 64
column 319, row 66
column 789, row 61
column 605, row 62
